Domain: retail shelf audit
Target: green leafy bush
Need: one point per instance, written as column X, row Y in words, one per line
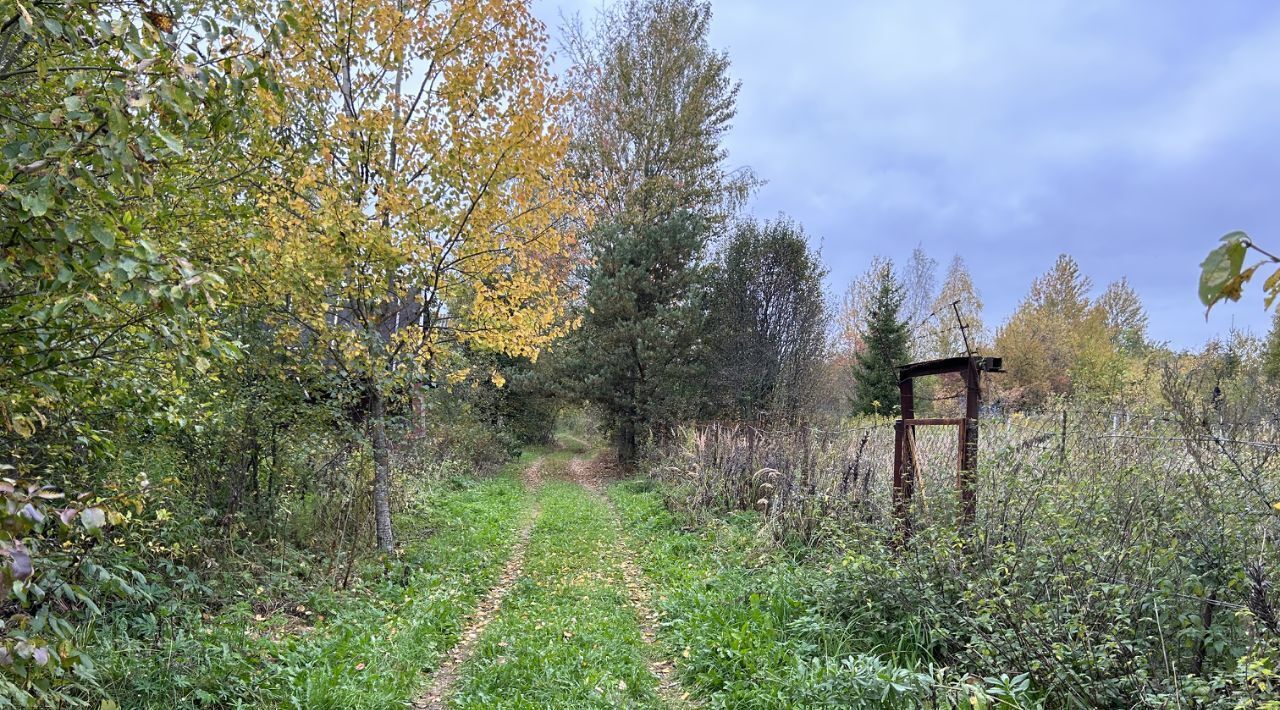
column 249, row 633
column 56, row 572
column 754, row 625
column 1118, row 561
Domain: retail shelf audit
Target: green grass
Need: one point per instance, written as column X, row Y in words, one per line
column 745, row 621
column 566, row 635
column 748, row 624
column 368, row 647
column 573, row 442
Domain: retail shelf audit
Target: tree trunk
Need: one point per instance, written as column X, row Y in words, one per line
column 381, row 470
column 627, row 442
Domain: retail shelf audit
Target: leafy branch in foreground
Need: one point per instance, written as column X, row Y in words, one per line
column 50, row 581
column 1223, row 274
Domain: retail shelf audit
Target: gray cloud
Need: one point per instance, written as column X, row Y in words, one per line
column 1130, row 135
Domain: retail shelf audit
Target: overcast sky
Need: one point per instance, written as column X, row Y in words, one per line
column 1130, row 135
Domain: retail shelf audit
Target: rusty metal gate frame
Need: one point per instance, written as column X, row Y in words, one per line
column 970, row 368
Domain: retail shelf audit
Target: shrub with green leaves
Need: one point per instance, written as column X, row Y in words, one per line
column 54, row 575
column 754, row 625
column 1121, row 559
column 269, row 627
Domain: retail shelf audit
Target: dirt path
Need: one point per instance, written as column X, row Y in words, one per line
column 442, row 681
column 591, row 474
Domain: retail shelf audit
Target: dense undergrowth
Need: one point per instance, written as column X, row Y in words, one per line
column 750, row 624
column 852, row 622
column 1114, row 558
column 267, row 630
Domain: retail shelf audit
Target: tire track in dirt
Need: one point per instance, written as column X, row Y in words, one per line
column 446, row 675
column 590, row 474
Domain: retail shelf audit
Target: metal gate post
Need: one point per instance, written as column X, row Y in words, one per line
column 968, row 474
column 903, row 482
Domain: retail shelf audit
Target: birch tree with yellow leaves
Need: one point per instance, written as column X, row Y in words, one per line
column 425, row 207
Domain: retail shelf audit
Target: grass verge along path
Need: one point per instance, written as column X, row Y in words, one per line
column 447, row 674
column 591, row 474
column 751, row 626
column 363, row 647
column 566, row 635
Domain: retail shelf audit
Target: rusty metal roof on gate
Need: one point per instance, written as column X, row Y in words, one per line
column 949, row 364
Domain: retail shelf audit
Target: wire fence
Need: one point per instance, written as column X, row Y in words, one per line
column 803, row 477
column 1122, row 553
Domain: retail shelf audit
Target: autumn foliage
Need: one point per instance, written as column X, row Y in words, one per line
column 251, row 218
column 289, row 287
column 425, row 207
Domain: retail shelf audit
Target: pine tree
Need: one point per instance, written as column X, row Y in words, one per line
column 885, row 348
column 638, row 355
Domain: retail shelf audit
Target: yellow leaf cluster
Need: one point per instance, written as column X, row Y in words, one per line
column 429, row 205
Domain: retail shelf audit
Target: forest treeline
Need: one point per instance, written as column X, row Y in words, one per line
column 268, row 265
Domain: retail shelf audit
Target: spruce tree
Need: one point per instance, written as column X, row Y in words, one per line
column 884, row 337
column 654, row 101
